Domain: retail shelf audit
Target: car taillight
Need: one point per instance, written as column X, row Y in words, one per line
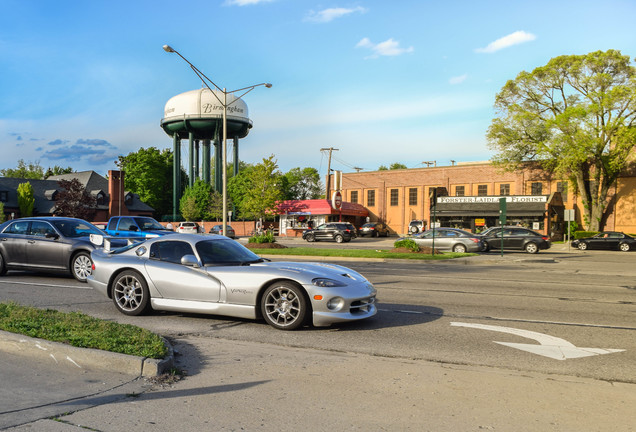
column 475, row 240
column 93, row 267
column 546, row 238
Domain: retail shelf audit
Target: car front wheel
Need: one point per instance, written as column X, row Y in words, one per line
column 311, row 238
column 532, row 248
column 130, row 293
column 82, row 266
column 582, row 246
column 284, row 306
column 623, row 247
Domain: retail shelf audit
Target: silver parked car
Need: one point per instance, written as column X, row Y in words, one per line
column 54, row 244
column 450, row 239
column 212, row 274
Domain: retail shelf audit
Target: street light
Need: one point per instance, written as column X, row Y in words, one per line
column 205, row 79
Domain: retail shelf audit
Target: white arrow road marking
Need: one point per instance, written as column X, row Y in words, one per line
column 550, row 346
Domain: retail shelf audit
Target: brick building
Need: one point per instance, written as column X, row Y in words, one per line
column 535, row 198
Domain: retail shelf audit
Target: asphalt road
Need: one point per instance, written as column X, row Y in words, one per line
column 461, row 312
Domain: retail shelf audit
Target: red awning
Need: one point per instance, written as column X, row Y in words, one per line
column 320, row 207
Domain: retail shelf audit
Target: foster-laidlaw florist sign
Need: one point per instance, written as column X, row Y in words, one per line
column 492, row 199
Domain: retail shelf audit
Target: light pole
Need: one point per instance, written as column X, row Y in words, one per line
column 246, row 90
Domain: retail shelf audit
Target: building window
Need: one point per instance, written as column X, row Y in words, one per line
column 563, row 188
column 394, row 197
column 460, row 191
column 354, row 197
column 482, row 190
column 4, row 196
column 412, row 196
column 504, row 189
column 371, row 198
column 536, row 188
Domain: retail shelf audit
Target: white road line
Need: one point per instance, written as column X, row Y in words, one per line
column 46, row 285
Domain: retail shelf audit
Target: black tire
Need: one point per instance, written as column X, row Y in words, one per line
column 459, row 248
column 375, row 234
column 310, row 238
column 284, row 306
column 413, row 230
column 130, row 293
column 3, row 268
column 338, row 238
column 582, row 246
column 531, row 248
column 623, row 247
column 81, row 266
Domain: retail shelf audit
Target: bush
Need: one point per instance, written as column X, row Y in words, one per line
column 582, row 234
column 408, row 244
column 266, row 237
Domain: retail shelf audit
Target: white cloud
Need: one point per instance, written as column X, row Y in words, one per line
column 245, row 2
column 458, row 79
column 327, row 15
column 387, row 48
column 515, row 38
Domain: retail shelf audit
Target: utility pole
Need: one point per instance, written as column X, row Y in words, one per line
column 330, row 149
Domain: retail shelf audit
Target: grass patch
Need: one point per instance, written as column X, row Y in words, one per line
column 80, row 330
column 358, row 253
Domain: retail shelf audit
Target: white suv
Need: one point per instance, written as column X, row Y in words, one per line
column 188, row 227
column 416, row 226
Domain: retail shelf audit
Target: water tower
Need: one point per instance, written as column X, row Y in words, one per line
column 197, row 116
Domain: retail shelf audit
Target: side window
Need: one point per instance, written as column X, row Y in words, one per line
column 322, row 226
column 170, row 251
column 41, row 229
column 17, row 228
column 127, row 224
column 112, row 224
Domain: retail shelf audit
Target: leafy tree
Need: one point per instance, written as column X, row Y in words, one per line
column 74, row 200
column 574, row 116
column 57, row 170
column 208, row 202
column 189, row 208
column 26, row 201
column 25, row 171
column 382, row 168
column 2, row 215
column 149, row 174
column 238, row 187
column 264, row 190
column 397, row 165
column 301, row 184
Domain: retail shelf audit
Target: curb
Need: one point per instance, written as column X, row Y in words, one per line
column 84, row 358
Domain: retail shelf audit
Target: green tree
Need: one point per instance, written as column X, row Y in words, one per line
column 264, row 190
column 31, row 170
column 189, row 208
column 208, row 202
column 2, row 215
column 382, row 168
column 575, row 117
column 397, row 165
column 57, row 170
column 74, row 200
column 238, row 187
column 26, row 201
column 148, row 172
column 301, row 184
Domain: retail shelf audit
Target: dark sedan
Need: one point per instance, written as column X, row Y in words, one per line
column 55, row 244
column 516, row 238
column 608, row 240
column 374, row 229
column 218, row 229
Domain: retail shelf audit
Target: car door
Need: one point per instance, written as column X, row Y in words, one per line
column 321, row 232
column 176, row 281
column 45, row 247
column 424, row 239
column 444, row 239
column 514, row 238
column 13, row 241
column 613, row 240
column 494, row 239
column 599, row 241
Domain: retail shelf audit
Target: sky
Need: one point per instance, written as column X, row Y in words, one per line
column 407, row 81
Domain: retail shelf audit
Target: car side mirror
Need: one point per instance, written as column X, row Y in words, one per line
column 133, row 228
column 190, row 261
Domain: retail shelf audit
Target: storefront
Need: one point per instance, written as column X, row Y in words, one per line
column 542, row 213
column 298, row 215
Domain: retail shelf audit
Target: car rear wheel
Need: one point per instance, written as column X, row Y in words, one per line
column 338, row 238
column 130, row 293
column 3, row 268
column 82, row 266
column 623, row 247
column 459, row 248
column 532, row 248
column 582, row 246
column 284, row 306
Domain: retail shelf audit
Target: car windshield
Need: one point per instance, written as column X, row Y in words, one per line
column 225, row 252
column 75, row 228
column 146, row 224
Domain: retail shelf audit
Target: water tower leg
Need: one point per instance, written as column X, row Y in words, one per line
column 218, row 164
column 196, row 160
column 206, row 161
column 176, row 174
column 191, row 159
column 236, row 156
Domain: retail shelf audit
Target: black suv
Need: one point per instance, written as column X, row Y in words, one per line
column 336, row 231
column 516, row 238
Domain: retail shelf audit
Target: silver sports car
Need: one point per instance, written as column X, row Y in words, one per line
column 212, row 274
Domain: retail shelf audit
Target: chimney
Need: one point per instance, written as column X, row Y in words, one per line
column 116, row 205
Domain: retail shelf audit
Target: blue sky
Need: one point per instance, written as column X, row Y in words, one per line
column 82, row 82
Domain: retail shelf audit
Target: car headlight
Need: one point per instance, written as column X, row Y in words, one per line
column 326, row 283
